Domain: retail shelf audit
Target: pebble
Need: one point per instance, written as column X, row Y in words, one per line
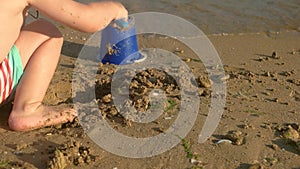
column 18, row 152
column 225, row 34
column 292, row 93
column 80, row 160
column 113, row 111
column 236, row 137
column 187, row 60
column 261, row 59
column 275, row 147
column 226, row 77
column 201, row 91
column 275, row 55
column 204, row 82
column 268, row 74
column 272, row 161
column 107, row 98
column 247, row 126
column 21, row 146
column 177, row 50
column 291, row 134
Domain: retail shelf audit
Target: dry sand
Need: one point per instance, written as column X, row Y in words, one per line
column 261, row 119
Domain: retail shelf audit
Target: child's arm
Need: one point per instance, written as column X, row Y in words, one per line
column 84, row 17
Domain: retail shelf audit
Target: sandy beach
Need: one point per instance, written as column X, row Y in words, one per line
column 260, row 126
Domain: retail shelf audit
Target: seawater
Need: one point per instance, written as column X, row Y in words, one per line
column 226, row 16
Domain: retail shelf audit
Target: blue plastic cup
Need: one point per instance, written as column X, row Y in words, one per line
column 119, row 46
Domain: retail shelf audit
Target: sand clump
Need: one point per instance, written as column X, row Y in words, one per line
column 140, row 88
column 291, row 135
column 237, row 137
column 70, row 153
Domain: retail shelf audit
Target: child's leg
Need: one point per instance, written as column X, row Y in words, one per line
column 39, row 46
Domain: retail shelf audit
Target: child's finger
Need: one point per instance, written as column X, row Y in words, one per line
column 121, row 23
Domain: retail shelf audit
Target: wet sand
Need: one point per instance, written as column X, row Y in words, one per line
column 259, row 126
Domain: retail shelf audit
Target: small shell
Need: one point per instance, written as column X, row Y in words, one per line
column 49, row 134
column 224, row 141
column 168, row 118
column 194, row 161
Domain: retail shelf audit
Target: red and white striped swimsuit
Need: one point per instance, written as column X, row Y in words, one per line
column 6, row 79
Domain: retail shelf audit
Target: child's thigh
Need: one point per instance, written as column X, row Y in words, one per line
column 32, row 36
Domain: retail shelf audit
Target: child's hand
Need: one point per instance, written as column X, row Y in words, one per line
column 123, row 13
column 121, row 21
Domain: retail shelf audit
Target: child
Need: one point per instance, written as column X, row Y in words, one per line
column 29, row 54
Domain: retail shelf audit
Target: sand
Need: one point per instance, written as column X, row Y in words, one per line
column 258, row 129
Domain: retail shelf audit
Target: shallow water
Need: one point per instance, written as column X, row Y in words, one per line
column 227, row 16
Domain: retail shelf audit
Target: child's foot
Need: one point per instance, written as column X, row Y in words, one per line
column 43, row 116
